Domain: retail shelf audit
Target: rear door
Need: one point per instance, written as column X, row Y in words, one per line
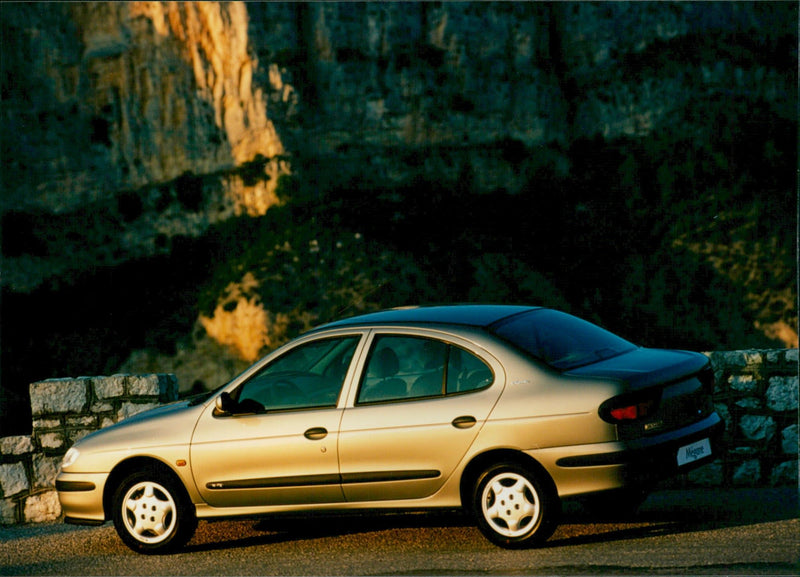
column 420, row 402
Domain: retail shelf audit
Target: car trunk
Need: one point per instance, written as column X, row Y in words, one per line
column 664, row 390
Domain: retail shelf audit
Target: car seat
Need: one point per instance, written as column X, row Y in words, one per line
column 385, row 365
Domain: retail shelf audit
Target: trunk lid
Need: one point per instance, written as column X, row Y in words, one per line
column 664, row 390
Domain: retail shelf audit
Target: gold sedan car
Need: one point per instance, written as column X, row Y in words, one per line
column 502, row 410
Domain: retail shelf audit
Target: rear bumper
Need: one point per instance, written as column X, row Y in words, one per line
column 587, row 469
column 655, row 456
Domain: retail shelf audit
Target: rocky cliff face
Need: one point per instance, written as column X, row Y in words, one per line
column 136, row 113
column 120, row 100
column 132, row 128
column 113, row 96
column 122, row 95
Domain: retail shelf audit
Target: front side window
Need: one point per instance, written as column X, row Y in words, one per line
column 308, row 376
column 401, row 367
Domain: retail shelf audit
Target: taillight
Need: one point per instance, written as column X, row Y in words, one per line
column 633, row 412
column 629, row 408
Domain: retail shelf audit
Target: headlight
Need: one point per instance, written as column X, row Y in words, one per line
column 70, row 457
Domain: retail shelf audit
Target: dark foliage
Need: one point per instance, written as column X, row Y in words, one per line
column 95, row 321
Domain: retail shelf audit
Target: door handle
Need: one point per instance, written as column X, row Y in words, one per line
column 316, row 433
column 464, row 422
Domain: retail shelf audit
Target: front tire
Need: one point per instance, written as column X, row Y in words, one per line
column 152, row 513
column 515, row 507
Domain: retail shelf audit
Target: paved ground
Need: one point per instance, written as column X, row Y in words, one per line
column 710, row 532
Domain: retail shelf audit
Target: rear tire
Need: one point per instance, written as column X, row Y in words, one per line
column 514, row 506
column 152, row 513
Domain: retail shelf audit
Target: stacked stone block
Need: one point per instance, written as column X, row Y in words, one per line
column 756, row 394
column 65, row 410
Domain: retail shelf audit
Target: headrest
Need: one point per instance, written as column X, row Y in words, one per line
column 386, row 363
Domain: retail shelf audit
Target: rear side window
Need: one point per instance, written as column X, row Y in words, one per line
column 402, row 368
column 560, row 340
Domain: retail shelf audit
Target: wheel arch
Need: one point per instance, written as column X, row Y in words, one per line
column 131, row 465
column 481, row 462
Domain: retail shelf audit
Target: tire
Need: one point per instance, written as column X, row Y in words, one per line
column 515, row 507
column 152, row 513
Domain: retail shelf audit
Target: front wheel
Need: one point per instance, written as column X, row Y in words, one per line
column 152, row 513
column 515, row 508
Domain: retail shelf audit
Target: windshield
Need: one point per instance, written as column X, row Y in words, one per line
column 562, row 341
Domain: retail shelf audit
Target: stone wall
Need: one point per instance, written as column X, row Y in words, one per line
column 65, row 410
column 756, row 394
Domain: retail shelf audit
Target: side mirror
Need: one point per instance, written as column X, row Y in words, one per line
column 224, row 404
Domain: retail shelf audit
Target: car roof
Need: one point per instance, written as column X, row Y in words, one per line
column 475, row 315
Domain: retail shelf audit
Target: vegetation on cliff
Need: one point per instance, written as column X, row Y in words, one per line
column 186, row 186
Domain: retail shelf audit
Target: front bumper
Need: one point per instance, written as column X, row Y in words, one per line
column 81, row 497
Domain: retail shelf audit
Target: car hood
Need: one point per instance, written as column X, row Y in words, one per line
column 642, row 367
column 166, row 425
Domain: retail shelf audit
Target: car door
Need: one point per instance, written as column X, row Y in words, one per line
column 419, row 405
column 277, row 443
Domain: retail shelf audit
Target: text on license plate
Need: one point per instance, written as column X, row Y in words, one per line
column 694, row 452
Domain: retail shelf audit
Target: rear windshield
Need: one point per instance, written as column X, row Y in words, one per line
column 562, row 341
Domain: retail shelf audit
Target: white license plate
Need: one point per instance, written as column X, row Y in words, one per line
column 694, row 452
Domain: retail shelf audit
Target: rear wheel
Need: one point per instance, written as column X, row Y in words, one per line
column 514, row 506
column 152, row 513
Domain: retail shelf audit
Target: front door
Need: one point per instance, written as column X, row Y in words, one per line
column 277, row 445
